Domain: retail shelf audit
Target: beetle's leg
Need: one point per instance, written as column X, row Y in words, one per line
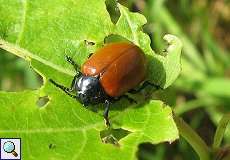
column 131, row 100
column 65, row 89
column 90, row 55
column 106, row 113
column 74, row 83
column 145, row 84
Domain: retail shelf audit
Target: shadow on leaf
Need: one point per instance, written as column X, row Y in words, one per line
column 113, row 136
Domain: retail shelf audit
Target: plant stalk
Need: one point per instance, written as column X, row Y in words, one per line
column 193, row 139
column 221, row 130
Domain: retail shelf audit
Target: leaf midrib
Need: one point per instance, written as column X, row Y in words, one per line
column 23, row 53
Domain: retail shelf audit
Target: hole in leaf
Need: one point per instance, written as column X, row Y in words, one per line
column 150, row 30
column 113, row 10
column 17, row 74
column 157, row 43
column 52, row 146
column 115, row 38
column 90, row 43
column 113, row 136
column 42, row 101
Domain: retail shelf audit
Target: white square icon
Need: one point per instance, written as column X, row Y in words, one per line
column 10, row 149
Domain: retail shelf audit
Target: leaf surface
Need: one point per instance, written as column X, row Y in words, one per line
column 42, row 32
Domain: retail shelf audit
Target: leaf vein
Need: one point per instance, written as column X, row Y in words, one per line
column 82, row 146
column 24, row 3
column 52, row 130
column 135, row 37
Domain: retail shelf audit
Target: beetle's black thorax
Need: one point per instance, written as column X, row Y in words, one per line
column 89, row 90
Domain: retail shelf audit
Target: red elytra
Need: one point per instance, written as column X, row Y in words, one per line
column 121, row 66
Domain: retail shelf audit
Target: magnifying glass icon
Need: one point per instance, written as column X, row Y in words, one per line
column 9, row 147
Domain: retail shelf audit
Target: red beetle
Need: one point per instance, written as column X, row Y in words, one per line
column 109, row 73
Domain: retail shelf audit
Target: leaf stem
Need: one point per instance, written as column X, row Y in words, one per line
column 192, row 138
column 221, row 130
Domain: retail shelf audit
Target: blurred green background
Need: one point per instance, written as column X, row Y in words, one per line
column 201, row 95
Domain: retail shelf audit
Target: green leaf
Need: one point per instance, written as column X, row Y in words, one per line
column 74, row 132
column 48, row 31
column 42, row 32
column 162, row 70
column 218, row 87
column 219, row 135
column 193, row 138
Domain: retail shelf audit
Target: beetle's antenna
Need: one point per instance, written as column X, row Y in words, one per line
column 72, row 62
column 97, row 76
column 144, row 85
column 65, row 89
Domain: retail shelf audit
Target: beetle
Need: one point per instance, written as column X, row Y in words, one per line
column 107, row 75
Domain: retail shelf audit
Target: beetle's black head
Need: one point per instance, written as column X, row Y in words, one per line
column 90, row 90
